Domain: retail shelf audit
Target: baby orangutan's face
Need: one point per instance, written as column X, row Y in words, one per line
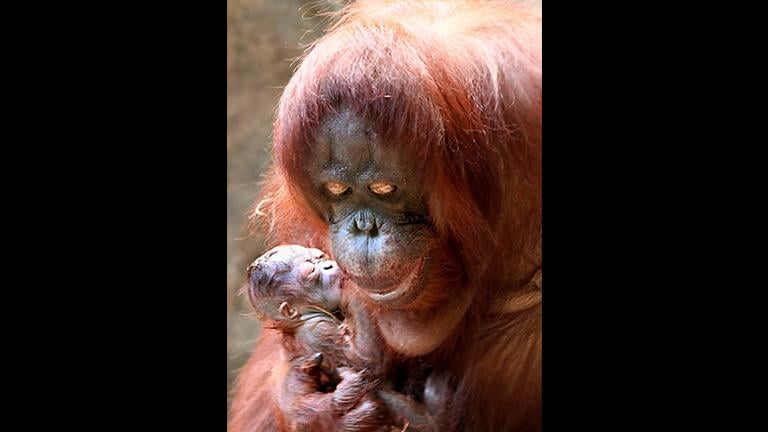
column 286, row 280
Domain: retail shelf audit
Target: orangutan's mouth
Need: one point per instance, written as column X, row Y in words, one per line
column 406, row 291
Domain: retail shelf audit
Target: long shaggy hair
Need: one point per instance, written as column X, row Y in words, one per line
column 455, row 87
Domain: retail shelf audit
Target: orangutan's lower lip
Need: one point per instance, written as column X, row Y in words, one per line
column 404, row 287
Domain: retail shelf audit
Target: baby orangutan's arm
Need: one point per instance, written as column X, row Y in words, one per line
column 350, row 407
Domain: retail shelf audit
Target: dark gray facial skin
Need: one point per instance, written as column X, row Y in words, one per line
column 374, row 203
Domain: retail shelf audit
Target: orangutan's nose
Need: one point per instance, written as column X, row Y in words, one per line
column 364, row 222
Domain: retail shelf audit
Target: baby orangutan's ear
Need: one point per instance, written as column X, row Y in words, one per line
column 287, row 311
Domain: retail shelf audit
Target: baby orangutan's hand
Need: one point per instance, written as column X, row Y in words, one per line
column 350, row 407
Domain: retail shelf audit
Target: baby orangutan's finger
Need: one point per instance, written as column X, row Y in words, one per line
column 350, row 390
column 367, row 416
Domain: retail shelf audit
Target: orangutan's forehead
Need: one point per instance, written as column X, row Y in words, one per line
column 348, row 147
column 347, row 142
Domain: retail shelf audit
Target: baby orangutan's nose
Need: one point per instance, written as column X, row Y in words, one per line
column 330, row 269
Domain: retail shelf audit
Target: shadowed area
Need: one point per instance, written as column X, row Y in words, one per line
column 264, row 37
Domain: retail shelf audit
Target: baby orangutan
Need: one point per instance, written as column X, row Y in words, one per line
column 338, row 361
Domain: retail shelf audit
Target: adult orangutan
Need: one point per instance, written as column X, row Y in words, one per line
column 407, row 145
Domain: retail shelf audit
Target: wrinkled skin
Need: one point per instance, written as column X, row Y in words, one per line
column 379, row 229
column 336, row 367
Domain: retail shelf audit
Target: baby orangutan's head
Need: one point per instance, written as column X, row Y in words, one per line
column 288, row 281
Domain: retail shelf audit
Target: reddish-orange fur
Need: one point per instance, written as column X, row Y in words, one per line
column 456, row 87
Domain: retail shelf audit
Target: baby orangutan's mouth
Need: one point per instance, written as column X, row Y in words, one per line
column 405, row 291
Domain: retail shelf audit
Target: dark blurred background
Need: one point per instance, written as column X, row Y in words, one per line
column 264, row 37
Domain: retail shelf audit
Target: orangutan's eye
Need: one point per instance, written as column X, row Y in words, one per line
column 382, row 188
column 336, row 188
